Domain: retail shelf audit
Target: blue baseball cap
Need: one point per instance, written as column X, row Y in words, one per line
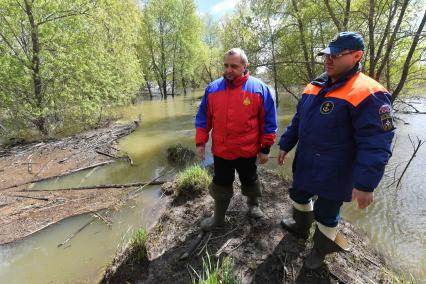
column 344, row 40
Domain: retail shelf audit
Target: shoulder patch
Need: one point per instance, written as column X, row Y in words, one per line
column 385, row 109
column 386, row 117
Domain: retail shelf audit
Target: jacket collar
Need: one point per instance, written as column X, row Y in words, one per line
column 238, row 82
column 324, row 81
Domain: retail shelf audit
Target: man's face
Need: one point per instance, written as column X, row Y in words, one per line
column 339, row 64
column 233, row 68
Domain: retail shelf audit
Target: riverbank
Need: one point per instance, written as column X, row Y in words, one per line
column 24, row 210
column 260, row 251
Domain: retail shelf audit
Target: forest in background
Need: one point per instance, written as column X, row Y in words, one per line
column 64, row 63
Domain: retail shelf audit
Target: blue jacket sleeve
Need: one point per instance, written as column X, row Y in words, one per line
column 203, row 121
column 268, row 119
column 290, row 136
column 374, row 127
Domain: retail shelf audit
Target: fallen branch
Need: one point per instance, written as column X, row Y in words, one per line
column 205, row 245
column 108, row 222
column 222, row 248
column 416, row 146
column 106, row 154
column 410, row 105
column 194, row 244
column 100, row 186
column 150, row 182
column 76, row 232
column 61, row 175
column 30, row 197
column 400, row 119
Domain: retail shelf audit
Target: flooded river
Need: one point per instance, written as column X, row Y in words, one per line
column 396, row 222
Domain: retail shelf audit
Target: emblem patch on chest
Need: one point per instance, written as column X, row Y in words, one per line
column 327, row 107
column 246, row 101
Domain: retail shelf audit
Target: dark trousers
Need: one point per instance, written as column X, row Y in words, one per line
column 224, row 171
column 326, row 211
column 224, row 175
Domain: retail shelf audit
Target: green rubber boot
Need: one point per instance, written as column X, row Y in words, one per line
column 253, row 193
column 222, row 197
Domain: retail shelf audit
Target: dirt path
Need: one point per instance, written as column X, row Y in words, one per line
column 262, row 251
column 23, row 213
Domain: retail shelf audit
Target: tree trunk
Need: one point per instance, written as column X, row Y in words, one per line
column 148, row 86
column 385, row 37
column 40, row 122
column 163, row 62
column 333, row 15
column 274, row 66
column 347, row 15
column 391, row 41
column 372, row 57
column 407, row 62
column 309, row 70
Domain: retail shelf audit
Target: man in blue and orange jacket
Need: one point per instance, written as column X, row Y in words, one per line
column 240, row 111
column 344, row 128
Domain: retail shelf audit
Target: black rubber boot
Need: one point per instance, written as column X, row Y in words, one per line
column 222, row 197
column 323, row 246
column 300, row 224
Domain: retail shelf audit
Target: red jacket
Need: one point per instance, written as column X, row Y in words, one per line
column 241, row 115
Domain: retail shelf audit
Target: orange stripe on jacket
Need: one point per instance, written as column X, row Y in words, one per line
column 311, row 89
column 355, row 91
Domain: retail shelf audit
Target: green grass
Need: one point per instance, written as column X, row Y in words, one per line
column 222, row 272
column 138, row 243
column 192, row 180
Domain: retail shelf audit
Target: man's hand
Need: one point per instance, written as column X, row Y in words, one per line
column 364, row 198
column 262, row 158
column 201, row 150
column 281, row 157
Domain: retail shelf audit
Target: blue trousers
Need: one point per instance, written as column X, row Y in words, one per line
column 326, row 211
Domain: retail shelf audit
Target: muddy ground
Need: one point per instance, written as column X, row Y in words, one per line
column 24, row 212
column 261, row 250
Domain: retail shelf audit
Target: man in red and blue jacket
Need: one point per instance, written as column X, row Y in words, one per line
column 239, row 110
column 344, row 128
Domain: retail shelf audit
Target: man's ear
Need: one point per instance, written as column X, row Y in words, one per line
column 358, row 55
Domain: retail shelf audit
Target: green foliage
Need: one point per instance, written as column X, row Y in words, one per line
column 221, row 272
column 193, row 180
column 171, row 32
column 138, row 244
column 86, row 54
column 63, row 63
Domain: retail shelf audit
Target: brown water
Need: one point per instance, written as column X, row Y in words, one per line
column 396, row 223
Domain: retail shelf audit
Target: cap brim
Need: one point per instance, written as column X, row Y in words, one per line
column 330, row 50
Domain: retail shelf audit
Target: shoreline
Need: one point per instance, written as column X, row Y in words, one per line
column 261, row 251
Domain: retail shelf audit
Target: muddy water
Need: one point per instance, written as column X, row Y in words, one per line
column 396, row 223
column 37, row 259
